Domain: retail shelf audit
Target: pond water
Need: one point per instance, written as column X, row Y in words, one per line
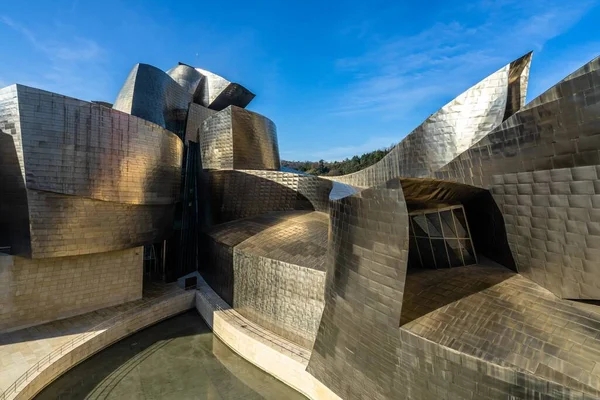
column 178, row 358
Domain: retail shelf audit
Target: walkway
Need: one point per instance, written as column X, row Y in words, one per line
column 178, row 358
column 22, row 350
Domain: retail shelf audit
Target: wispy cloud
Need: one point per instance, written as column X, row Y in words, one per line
column 68, row 62
column 79, row 49
column 403, row 73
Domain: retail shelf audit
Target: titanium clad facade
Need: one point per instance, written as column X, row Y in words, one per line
column 366, row 269
column 218, row 93
column 244, row 193
column 151, row 94
column 275, row 264
column 239, row 139
column 89, row 179
column 197, row 114
column 503, row 196
column 542, row 167
column 451, row 130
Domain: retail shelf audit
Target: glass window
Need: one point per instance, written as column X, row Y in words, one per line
column 441, row 256
column 454, row 252
column 440, row 239
column 426, row 253
column 461, row 222
column 419, row 225
column 448, row 227
column 433, row 224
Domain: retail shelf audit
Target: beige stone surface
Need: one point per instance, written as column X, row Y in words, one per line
column 36, row 291
column 79, row 337
column 277, row 356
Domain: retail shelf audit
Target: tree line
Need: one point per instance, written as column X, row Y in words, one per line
column 335, row 168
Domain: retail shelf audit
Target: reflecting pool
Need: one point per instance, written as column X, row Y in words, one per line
column 178, row 358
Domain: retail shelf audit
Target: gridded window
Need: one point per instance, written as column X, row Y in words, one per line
column 440, row 238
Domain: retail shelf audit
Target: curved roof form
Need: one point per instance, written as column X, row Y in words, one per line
column 452, row 129
column 151, row 94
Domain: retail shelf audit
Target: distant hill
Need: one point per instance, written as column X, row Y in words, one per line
column 335, row 168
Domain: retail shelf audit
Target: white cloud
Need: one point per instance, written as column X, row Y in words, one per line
column 402, row 74
column 68, row 63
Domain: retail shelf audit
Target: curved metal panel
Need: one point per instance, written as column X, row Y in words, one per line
column 83, row 178
column 197, row 114
column 92, row 151
column 187, row 77
column 151, row 94
column 465, row 322
column 367, row 257
column 246, row 193
column 451, row 130
column 239, row 139
column 274, row 266
column 62, row 225
column 217, row 93
column 542, row 166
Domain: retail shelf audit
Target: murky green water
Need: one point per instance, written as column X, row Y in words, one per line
column 178, row 358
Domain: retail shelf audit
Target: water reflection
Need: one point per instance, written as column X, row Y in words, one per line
column 176, row 359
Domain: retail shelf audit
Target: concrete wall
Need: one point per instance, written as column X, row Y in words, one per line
column 130, row 323
column 34, row 291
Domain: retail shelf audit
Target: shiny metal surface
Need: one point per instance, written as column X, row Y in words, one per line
column 81, row 178
column 244, row 193
column 188, row 78
column 451, row 130
column 217, row 93
column 527, row 177
column 479, row 331
column 542, row 167
column 239, row 139
column 356, row 349
column 151, row 94
column 197, row 114
column 272, row 270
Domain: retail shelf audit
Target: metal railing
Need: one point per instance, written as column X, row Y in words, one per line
column 113, row 322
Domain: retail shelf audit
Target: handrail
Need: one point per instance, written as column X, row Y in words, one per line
column 47, row 359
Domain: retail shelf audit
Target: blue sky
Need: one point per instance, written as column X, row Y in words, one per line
column 338, row 78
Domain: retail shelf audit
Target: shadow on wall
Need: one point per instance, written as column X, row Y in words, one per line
column 483, row 215
column 236, row 195
column 427, row 290
column 216, row 248
column 14, row 213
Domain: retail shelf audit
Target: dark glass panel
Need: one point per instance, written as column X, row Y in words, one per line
column 435, row 228
column 426, row 254
column 419, row 223
column 454, row 252
column 461, row 222
column 441, row 257
column 414, row 260
column 468, row 253
column 448, row 224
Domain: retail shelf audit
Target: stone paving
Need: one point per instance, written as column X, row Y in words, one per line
column 22, row 349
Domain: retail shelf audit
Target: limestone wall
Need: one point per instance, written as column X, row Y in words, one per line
column 34, row 291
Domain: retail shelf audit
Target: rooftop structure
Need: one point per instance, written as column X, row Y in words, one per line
column 465, row 264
